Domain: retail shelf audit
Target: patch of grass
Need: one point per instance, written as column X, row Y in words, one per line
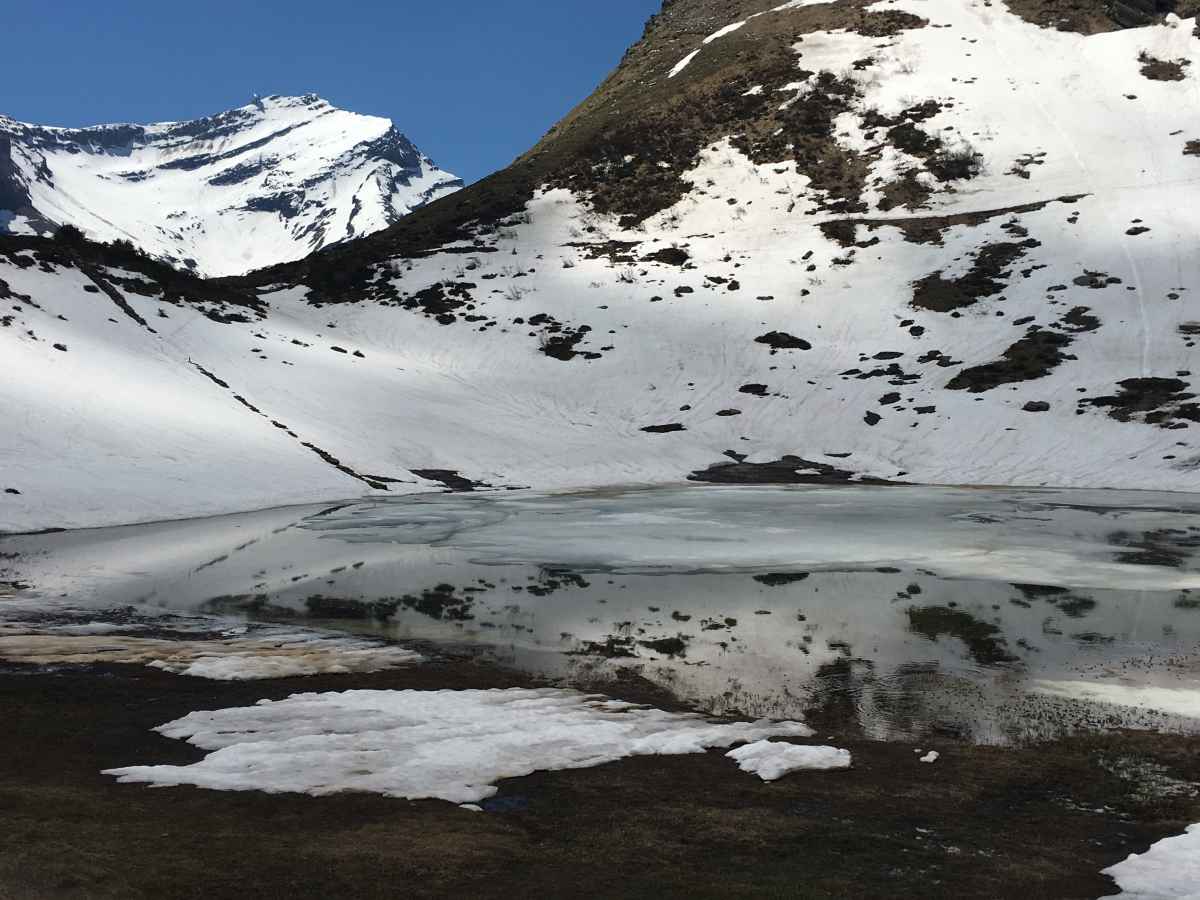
column 960, row 163
column 1033, row 356
column 1163, row 69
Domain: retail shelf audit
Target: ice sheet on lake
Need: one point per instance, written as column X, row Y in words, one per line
column 448, row 745
column 1077, row 538
column 1169, row 870
column 771, row 760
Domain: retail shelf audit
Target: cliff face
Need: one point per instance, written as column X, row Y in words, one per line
column 13, row 194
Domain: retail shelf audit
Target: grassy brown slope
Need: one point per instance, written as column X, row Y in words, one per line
column 639, row 112
column 980, row 823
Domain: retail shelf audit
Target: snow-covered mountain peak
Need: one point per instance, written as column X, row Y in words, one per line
column 268, row 182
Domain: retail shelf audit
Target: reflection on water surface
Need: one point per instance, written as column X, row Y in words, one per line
column 994, row 615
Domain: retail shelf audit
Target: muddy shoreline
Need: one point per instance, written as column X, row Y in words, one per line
column 981, row 822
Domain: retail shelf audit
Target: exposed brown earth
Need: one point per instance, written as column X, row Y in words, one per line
column 639, row 113
column 1163, row 69
column 1096, row 16
column 1033, row 356
column 981, row 822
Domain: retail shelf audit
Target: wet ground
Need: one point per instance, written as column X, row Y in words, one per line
column 981, row 822
column 1044, row 642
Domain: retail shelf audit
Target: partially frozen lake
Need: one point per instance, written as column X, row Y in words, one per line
column 989, row 614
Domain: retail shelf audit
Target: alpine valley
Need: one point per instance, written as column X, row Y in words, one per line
column 923, row 241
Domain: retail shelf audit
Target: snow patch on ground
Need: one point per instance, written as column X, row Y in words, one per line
column 448, row 745
column 13, row 223
column 1181, row 701
column 259, row 652
column 683, row 64
column 1169, row 870
column 771, row 760
column 728, row 29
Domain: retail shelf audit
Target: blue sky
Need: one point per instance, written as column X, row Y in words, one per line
column 473, row 82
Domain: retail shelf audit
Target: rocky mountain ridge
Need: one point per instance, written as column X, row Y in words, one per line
column 266, row 183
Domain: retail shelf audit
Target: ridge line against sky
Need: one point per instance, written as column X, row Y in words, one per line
column 473, row 84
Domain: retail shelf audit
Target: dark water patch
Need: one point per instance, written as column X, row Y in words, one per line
column 983, row 640
column 441, row 603
column 339, row 608
column 1041, row 590
column 1171, row 547
column 550, row 581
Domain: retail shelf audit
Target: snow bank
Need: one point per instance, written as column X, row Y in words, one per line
column 1182, row 701
column 770, row 761
column 1169, row 870
column 448, row 745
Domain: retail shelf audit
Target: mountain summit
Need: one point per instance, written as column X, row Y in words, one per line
column 265, row 183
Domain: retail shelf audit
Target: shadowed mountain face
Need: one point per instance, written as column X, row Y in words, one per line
column 802, row 242
column 266, row 183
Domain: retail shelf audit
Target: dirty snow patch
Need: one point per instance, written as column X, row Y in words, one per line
column 770, row 760
column 1169, row 870
column 448, row 745
column 260, row 652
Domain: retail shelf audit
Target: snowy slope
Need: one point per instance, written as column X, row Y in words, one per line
column 266, row 183
column 1003, row 293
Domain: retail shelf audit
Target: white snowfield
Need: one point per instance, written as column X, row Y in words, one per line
column 448, row 745
column 124, row 426
column 266, row 183
column 771, row 760
column 1169, row 870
